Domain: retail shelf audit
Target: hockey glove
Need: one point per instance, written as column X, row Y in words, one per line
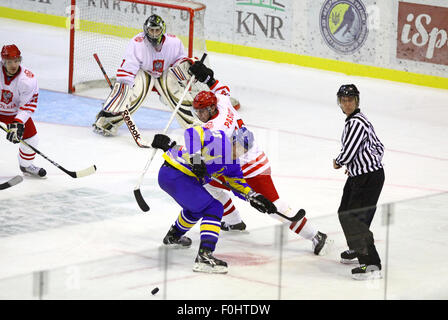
column 15, row 133
column 259, row 202
column 202, row 73
column 163, row 142
column 198, row 166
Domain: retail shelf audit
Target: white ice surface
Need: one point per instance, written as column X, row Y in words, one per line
column 293, row 113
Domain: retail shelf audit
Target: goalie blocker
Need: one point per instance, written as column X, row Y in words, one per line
column 170, row 86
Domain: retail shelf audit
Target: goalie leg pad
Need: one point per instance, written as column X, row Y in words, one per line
column 108, row 121
column 143, row 84
column 118, row 98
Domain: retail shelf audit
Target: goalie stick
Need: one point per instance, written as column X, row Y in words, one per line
column 137, row 193
column 11, row 182
column 74, row 174
column 125, row 114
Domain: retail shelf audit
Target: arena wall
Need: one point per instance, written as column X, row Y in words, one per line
column 404, row 41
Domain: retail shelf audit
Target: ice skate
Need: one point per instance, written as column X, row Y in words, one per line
column 321, row 244
column 173, row 241
column 107, row 123
column 241, row 226
column 33, row 171
column 349, row 257
column 367, row 272
column 206, row 262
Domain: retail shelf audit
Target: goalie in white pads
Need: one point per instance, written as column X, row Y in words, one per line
column 217, row 112
column 147, row 56
column 18, row 101
column 154, row 61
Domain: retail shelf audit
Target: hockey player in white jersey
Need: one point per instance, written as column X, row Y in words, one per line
column 217, row 112
column 19, row 95
column 148, row 56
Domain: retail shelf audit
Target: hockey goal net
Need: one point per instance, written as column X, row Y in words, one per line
column 106, row 26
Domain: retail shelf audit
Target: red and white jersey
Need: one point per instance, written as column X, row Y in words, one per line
column 140, row 54
column 217, row 88
column 254, row 161
column 19, row 94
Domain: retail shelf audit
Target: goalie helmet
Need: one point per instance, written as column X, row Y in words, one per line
column 348, row 90
column 154, row 28
column 10, row 52
column 204, row 99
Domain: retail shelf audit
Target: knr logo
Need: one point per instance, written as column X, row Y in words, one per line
column 267, row 19
column 422, row 33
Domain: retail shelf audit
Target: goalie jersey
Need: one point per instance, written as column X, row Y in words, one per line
column 215, row 150
column 19, row 94
column 140, row 54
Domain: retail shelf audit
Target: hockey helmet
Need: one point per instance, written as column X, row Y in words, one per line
column 10, row 52
column 154, row 28
column 204, row 99
column 348, row 90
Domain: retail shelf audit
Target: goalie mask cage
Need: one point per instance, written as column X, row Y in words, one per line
column 106, row 26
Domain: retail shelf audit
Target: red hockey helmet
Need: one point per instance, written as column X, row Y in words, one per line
column 204, row 99
column 10, row 52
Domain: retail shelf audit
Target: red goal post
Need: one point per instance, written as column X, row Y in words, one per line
column 106, row 26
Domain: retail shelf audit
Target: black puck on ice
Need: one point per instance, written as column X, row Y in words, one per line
column 155, row 290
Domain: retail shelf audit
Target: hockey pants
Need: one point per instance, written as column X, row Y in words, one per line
column 196, row 204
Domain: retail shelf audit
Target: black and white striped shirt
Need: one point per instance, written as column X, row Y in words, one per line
column 361, row 151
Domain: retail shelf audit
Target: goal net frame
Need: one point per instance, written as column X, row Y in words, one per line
column 191, row 7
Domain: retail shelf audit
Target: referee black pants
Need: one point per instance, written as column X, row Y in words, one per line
column 356, row 211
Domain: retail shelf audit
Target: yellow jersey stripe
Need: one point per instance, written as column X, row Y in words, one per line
column 178, row 166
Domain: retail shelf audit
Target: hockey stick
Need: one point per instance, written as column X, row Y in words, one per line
column 299, row 215
column 11, row 182
column 125, row 114
column 73, row 174
column 137, row 193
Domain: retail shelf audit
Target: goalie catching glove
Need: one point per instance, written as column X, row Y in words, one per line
column 163, row 142
column 15, row 132
column 202, row 73
column 259, row 202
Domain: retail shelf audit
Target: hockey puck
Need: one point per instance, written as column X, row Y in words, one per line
column 155, row 290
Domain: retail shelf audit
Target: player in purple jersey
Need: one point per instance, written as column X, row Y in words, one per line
column 183, row 175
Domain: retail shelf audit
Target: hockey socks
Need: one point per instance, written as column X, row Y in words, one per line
column 185, row 221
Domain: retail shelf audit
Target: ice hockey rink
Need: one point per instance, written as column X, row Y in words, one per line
column 65, row 238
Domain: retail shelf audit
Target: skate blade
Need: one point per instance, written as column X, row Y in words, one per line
column 200, row 267
column 327, row 248
column 372, row 275
column 235, row 231
column 348, row 261
column 175, row 246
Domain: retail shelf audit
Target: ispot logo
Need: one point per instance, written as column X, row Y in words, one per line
column 343, row 25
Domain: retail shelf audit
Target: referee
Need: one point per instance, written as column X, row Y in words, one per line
column 361, row 153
